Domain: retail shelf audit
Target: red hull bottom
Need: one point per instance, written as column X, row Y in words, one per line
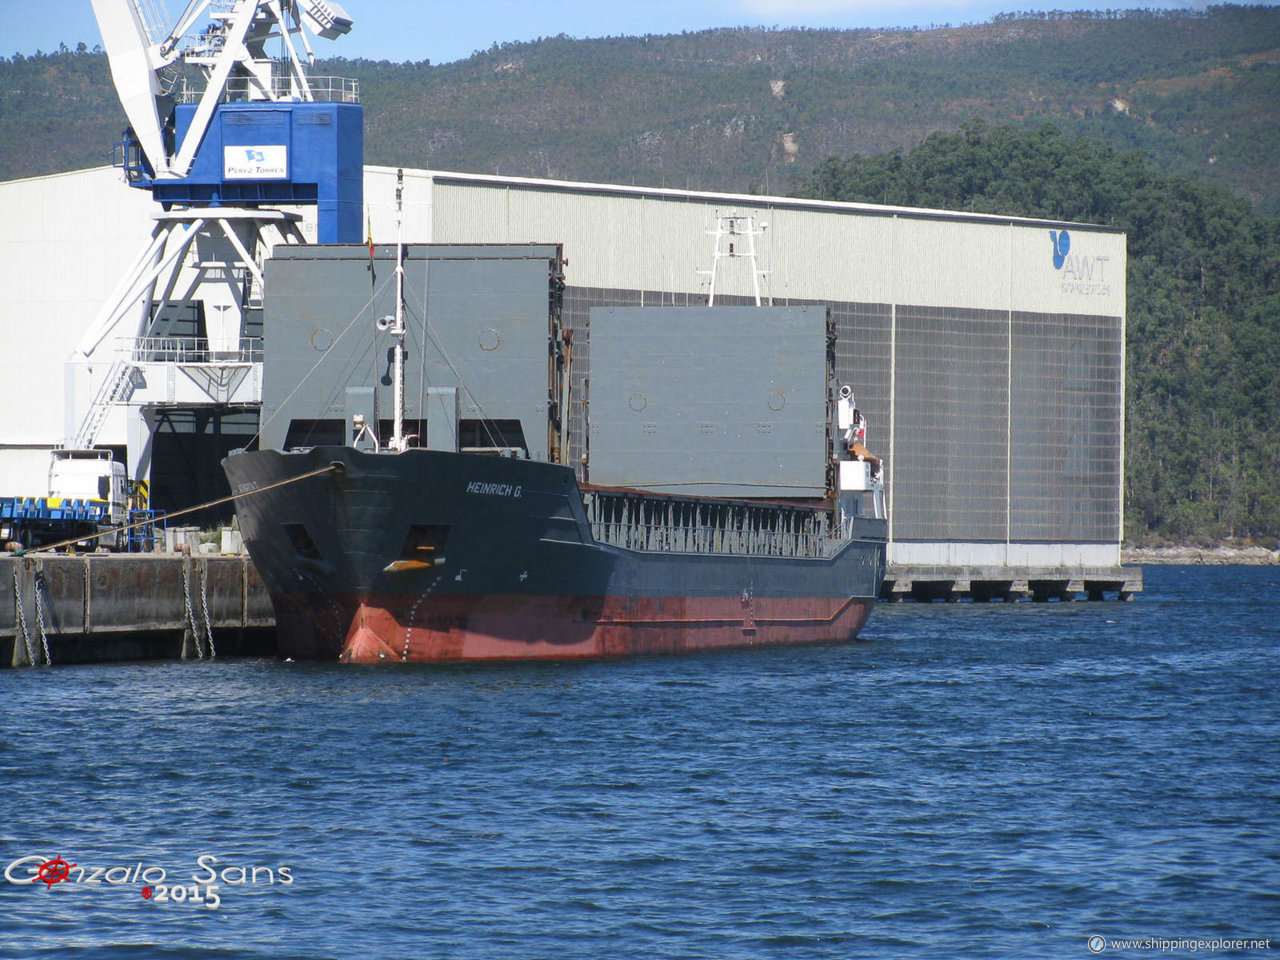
column 445, row 629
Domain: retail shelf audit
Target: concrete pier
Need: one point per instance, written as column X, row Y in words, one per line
column 983, row 584
column 92, row 608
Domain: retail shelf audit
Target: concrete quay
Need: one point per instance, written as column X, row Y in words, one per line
column 92, row 608
column 982, row 584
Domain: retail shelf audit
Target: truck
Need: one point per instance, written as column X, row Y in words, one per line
column 90, row 499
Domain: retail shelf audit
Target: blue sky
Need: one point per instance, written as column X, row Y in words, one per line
column 400, row 30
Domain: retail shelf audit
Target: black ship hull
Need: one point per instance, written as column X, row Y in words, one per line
column 436, row 556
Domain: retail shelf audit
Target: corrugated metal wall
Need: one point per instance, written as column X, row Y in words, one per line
column 987, row 352
column 645, row 240
column 1065, row 432
column 1004, row 427
column 951, row 430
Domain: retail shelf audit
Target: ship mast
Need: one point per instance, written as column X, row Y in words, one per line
column 735, row 237
column 398, row 440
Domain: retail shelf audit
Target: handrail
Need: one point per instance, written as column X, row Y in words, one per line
column 187, row 350
column 241, row 89
column 645, row 523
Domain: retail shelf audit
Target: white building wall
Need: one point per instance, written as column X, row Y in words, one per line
column 657, row 240
column 64, row 240
column 1045, row 556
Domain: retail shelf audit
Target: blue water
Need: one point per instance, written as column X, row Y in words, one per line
column 970, row 781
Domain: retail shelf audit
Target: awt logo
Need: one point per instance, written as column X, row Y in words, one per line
column 1061, row 247
column 1080, row 273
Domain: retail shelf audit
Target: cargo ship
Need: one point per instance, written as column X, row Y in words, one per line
column 425, row 555
column 720, row 495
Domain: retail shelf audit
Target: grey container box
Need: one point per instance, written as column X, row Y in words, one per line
column 710, row 401
column 479, row 318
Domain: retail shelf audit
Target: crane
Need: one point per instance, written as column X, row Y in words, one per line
column 223, row 135
column 230, row 52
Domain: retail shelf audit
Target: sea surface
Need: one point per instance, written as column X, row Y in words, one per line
column 970, row 780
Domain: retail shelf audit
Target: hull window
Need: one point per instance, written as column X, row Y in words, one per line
column 303, row 545
column 314, row 433
column 425, row 542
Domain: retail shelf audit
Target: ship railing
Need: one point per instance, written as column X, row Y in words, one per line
column 515, row 452
column 187, row 350
column 674, row 525
column 283, row 89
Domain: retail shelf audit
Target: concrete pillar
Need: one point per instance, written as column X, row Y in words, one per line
column 142, row 430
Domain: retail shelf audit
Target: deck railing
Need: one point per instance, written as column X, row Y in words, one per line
column 239, row 89
column 663, row 524
column 188, row 350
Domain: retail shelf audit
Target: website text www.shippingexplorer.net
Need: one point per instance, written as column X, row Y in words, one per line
column 1100, row 944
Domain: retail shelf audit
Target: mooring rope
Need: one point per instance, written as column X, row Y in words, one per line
column 185, row 510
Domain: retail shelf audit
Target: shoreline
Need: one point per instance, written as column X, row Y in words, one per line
column 1188, row 556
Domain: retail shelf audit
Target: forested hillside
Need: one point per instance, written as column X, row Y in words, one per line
column 1203, row 360
column 745, row 109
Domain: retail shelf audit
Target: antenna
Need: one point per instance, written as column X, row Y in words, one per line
column 396, row 329
column 735, row 237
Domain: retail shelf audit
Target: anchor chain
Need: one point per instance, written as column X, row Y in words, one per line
column 191, row 615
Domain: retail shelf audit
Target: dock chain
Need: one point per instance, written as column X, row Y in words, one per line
column 21, row 610
column 42, row 587
column 187, row 563
column 204, row 608
column 22, row 615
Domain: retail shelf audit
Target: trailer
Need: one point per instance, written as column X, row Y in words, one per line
column 90, row 503
column 34, row 522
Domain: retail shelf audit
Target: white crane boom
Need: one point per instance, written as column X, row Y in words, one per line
column 233, row 52
column 136, row 63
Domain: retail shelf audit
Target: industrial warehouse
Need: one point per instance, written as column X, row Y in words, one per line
column 987, row 352
column 168, row 307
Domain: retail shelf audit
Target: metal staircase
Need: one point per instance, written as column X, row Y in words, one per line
column 115, row 388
